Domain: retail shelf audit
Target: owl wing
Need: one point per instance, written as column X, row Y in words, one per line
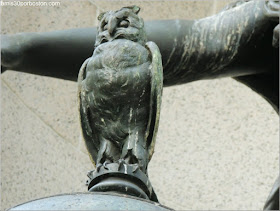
column 90, row 138
column 155, row 98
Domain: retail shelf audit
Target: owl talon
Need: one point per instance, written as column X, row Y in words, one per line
column 135, row 168
column 105, row 165
column 98, row 166
column 121, row 163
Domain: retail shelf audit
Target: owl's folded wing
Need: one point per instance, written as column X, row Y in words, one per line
column 90, row 138
column 155, row 98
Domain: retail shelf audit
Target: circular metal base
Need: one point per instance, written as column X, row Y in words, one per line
column 90, row 201
column 122, row 178
column 119, row 185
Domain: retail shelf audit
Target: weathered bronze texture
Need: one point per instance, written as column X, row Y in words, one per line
column 124, row 179
column 119, row 96
column 242, row 41
column 90, row 201
column 250, row 27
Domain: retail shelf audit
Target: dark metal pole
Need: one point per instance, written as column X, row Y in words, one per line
column 212, row 47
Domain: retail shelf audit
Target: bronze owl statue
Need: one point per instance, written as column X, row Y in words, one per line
column 119, row 91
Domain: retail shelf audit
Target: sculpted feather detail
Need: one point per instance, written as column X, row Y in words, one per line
column 120, row 89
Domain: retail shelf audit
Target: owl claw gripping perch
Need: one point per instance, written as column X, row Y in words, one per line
column 119, row 92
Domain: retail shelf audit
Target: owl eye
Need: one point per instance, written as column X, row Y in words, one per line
column 124, row 23
column 105, row 27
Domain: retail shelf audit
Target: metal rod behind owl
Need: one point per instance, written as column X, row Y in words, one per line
column 119, row 94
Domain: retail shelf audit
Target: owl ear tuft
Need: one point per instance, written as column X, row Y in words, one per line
column 100, row 16
column 135, row 9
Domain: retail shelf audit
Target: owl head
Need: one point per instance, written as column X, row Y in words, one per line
column 121, row 24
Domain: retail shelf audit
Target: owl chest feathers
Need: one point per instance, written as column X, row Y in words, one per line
column 119, row 68
column 117, row 83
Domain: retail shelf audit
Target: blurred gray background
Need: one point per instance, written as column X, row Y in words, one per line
column 217, row 145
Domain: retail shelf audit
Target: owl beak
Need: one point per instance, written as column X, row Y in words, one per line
column 112, row 25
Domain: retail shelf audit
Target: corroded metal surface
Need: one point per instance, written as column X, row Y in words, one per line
column 90, row 201
column 191, row 49
column 124, row 178
column 120, row 90
column 236, row 42
column 119, row 94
